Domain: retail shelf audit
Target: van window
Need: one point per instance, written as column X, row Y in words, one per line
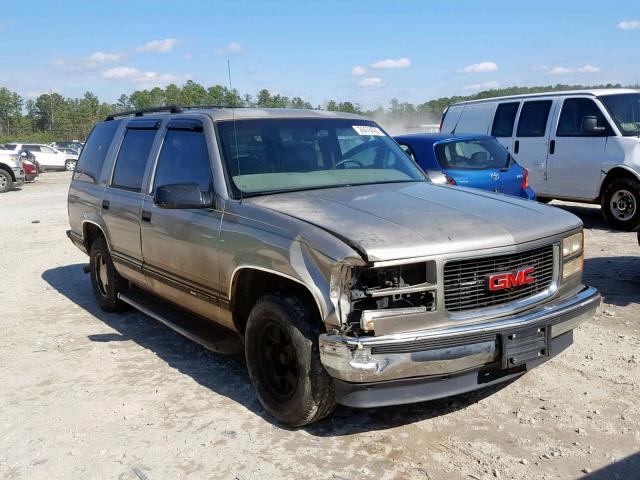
column 475, row 118
column 533, row 118
column 504, row 119
column 184, row 158
column 573, row 111
column 451, row 118
column 132, row 159
column 94, row 152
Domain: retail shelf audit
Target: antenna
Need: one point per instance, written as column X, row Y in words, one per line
column 233, row 117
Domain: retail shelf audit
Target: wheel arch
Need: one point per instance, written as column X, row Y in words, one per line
column 4, row 166
column 90, row 231
column 248, row 283
column 614, row 173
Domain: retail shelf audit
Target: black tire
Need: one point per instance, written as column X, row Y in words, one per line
column 105, row 280
column 70, row 165
column 544, row 199
column 621, row 204
column 6, row 182
column 295, row 327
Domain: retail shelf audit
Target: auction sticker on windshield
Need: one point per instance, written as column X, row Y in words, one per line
column 368, row 130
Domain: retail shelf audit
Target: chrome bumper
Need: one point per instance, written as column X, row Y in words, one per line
column 445, row 351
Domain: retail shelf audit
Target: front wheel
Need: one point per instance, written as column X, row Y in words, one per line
column 70, row 165
column 621, row 204
column 283, row 358
column 6, row 182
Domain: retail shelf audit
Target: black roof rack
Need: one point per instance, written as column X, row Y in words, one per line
column 141, row 111
column 168, row 108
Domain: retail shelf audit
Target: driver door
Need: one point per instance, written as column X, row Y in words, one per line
column 180, row 246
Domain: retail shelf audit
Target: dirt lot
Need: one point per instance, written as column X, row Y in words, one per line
column 89, row 395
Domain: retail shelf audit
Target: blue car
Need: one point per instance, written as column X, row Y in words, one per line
column 478, row 161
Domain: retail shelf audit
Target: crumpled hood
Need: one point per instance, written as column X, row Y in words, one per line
column 395, row 221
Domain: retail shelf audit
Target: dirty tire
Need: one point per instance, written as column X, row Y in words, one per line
column 105, row 280
column 6, row 182
column 629, row 190
column 295, row 326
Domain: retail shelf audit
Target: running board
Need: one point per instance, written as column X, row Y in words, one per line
column 197, row 329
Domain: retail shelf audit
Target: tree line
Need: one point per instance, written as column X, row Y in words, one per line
column 52, row 117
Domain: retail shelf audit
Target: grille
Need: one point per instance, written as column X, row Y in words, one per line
column 464, row 280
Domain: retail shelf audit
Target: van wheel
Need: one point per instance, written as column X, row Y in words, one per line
column 70, row 165
column 283, row 358
column 621, row 204
column 6, row 182
column 105, row 280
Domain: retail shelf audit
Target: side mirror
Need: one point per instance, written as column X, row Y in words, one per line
column 590, row 125
column 182, row 195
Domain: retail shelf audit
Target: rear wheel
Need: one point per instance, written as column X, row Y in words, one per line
column 70, row 165
column 6, row 182
column 105, row 280
column 621, row 204
column 283, row 358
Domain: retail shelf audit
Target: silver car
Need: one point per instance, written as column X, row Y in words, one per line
column 315, row 239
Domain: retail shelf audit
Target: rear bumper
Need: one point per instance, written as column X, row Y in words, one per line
column 445, row 351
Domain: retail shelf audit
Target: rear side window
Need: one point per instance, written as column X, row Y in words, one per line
column 132, row 159
column 475, row 118
column 533, row 118
column 504, row 119
column 184, row 158
column 31, row 148
column 93, row 155
column 450, row 119
column 573, row 112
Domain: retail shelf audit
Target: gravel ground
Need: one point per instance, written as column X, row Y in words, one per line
column 90, row 395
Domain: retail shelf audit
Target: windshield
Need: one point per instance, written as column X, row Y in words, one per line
column 625, row 110
column 472, row 154
column 277, row 155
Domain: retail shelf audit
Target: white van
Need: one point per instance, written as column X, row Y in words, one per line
column 577, row 145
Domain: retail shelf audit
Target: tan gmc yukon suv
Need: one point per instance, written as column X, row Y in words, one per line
column 321, row 245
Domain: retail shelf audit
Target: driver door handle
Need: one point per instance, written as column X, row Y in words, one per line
column 552, row 147
column 146, row 216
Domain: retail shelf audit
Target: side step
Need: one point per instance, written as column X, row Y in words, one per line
column 204, row 332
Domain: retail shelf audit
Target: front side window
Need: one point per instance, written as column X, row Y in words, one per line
column 47, row 150
column 504, row 119
column 533, row 118
column 184, row 158
column 132, row 159
column 92, row 157
column 472, row 154
column 275, row 155
column 571, row 118
column 624, row 108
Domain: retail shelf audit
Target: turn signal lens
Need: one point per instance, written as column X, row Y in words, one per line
column 573, row 266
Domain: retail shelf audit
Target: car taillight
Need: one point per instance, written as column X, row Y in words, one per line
column 525, row 178
column 450, row 180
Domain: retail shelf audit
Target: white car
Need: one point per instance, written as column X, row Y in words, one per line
column 577, row 145
column 47, row 157
column 11, row 171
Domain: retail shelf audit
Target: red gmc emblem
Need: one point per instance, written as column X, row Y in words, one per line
column 502, row 281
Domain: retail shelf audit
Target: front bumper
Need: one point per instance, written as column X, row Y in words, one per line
column 449, row 350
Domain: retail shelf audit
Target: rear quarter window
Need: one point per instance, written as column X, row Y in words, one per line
column 95, row 151
column 475, row 118
column 132, row 159
column 451, row 117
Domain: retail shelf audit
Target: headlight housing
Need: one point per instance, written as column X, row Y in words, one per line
column 572, row 255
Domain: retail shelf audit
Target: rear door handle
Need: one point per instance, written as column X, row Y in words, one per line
column 105, row 204
column 552, row 147
column 146, row 216
column 516, row 147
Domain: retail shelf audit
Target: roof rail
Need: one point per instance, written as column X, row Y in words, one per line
column 141, row 111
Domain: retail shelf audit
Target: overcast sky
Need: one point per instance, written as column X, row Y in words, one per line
column 366, row 51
